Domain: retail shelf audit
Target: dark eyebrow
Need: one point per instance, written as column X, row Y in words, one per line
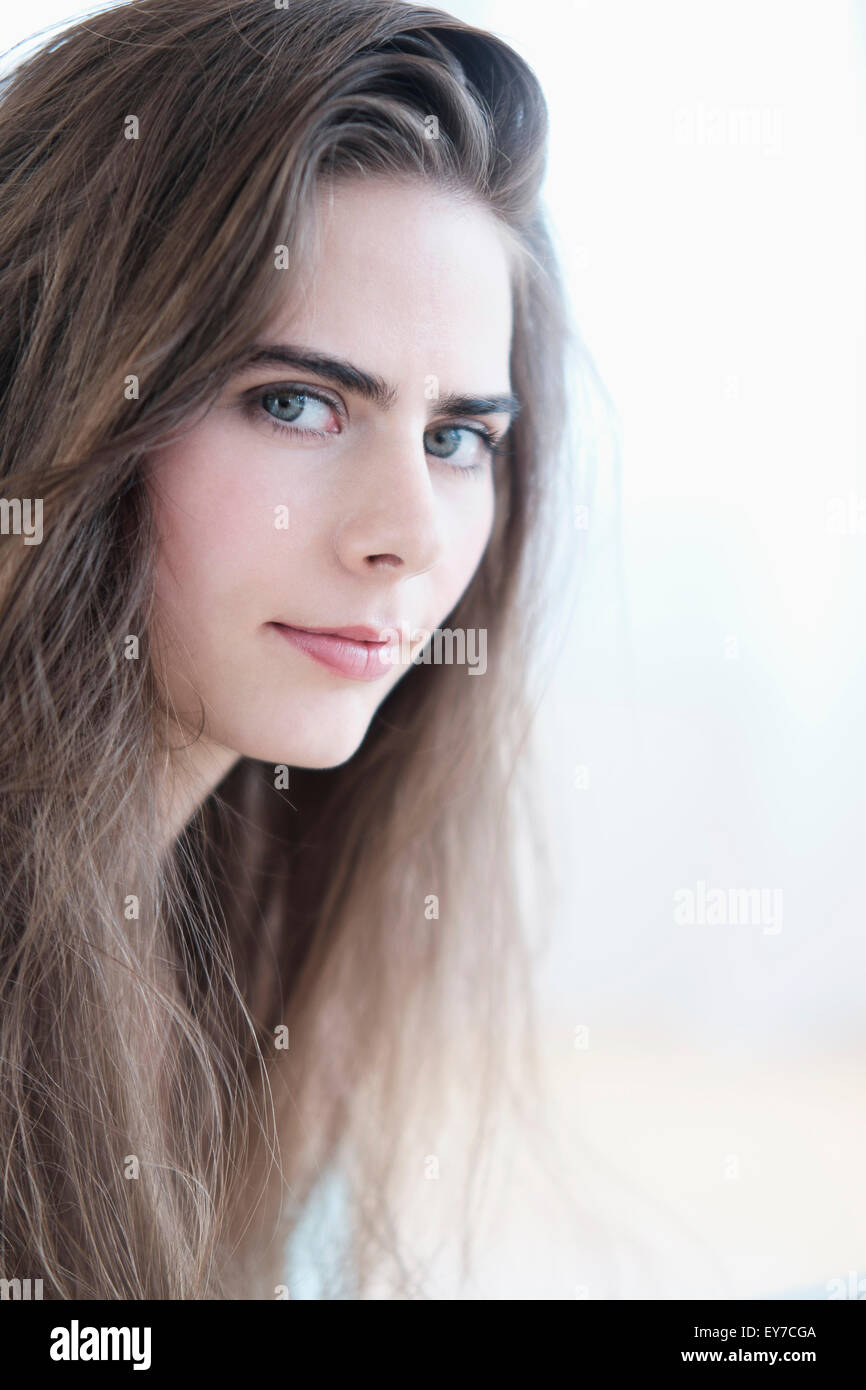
column 370, row 387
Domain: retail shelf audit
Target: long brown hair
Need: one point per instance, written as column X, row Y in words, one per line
column 157, row 1137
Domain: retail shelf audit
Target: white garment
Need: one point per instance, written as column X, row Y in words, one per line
column 318, row 1264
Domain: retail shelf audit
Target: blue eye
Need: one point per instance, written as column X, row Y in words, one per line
column 464, row 447
column 291, row 404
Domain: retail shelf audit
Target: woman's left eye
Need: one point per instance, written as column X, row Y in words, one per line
column 466, row 454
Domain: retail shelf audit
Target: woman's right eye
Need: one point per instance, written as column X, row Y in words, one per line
column 286, row 406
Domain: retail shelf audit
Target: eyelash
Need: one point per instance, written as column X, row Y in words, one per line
column 493, row 443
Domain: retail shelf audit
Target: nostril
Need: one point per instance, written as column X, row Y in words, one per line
column 385, row 561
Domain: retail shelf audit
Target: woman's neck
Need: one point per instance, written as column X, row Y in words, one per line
column 192, row 774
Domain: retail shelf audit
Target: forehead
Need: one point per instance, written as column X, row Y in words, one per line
column 410, row 280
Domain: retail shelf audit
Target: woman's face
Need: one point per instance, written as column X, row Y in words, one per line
column 322, row 497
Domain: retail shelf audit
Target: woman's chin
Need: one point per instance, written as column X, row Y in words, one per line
column 323, row 749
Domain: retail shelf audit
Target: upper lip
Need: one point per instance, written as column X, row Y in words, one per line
column 361, row 632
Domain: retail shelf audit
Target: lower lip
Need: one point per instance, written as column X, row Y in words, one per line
column 359, row 661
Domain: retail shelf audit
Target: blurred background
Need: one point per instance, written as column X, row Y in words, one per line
column 702, row 979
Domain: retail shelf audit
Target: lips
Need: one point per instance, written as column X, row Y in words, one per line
column 363, row 633
column 358, row 652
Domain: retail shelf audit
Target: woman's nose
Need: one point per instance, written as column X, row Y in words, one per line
column 388, row 516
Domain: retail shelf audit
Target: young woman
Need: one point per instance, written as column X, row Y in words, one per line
column 282, row 366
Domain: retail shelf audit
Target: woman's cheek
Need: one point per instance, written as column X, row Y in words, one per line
column 477, row 533
column 213, row 504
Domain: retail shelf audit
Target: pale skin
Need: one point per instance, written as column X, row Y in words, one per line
column 388, row 517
